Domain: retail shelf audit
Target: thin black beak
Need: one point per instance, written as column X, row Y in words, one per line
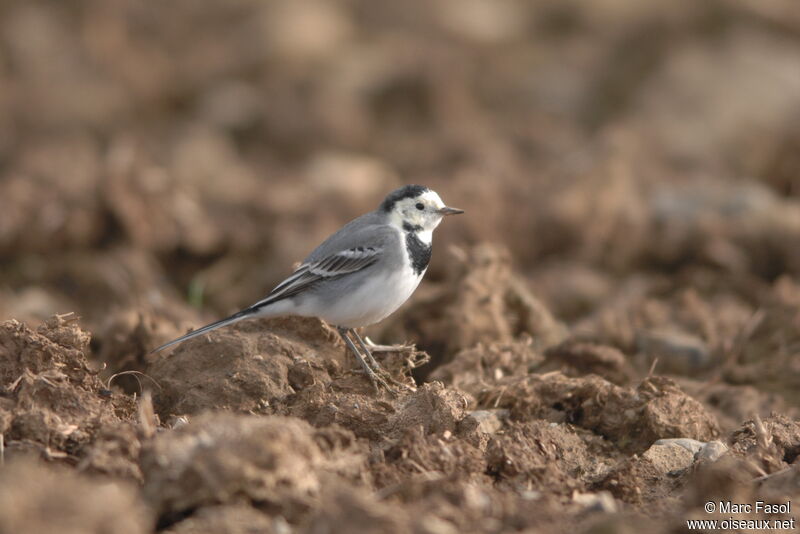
column 450, row 211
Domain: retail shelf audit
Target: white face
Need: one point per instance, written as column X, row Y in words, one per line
column 420, row 212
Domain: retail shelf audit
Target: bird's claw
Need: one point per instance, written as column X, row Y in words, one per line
column 376, row 379
column 376, row 374
column 376, row 367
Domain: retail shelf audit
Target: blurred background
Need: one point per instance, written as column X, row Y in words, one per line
column 636, row 165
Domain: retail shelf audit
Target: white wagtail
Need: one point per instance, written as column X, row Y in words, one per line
column 359, row 275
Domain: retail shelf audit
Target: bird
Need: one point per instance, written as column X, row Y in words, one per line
column 359, row 275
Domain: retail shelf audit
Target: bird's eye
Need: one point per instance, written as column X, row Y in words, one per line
column 420, row 206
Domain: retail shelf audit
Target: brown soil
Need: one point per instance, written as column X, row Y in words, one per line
column 608, row 339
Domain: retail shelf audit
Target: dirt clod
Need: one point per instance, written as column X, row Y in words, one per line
column 40, row 498
column 633, row 418
column 54, row 403
column 245, row 370
column 218, row 459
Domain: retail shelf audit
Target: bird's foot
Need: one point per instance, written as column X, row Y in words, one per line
column 377, row 378
column 388, row 376
column 374, row 347
column 367, row 351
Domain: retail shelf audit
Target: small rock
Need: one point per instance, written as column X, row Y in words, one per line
column 669, row 457
column 676, row 351
column 596, row 502
column 489, row 421
column 692, row 445
column 177, row 421
column 711, row 452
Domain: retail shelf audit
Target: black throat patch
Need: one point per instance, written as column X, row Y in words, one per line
column 418, row 252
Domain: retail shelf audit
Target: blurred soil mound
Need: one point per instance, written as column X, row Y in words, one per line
column 39, row 498
column 279, row 463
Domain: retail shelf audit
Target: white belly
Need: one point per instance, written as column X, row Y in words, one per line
column 370, row 302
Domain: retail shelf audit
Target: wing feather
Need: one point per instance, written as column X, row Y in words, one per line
column 341, row 263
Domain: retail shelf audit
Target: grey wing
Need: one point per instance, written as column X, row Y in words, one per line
column 344, row 262
column 368, row 230
column 343, row 253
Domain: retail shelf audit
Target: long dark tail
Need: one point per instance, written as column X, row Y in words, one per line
column 236, row 317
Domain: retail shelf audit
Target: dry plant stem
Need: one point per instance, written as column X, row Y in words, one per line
column 15, row 383
column 762, row 478
column 147, row 414
column 652, row 367
column 763, row 438
column 136, row 376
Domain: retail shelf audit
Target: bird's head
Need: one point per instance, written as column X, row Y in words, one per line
column 415, row 207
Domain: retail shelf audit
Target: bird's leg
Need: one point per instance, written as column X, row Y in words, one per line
column 367, row 369
column 374, row 363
